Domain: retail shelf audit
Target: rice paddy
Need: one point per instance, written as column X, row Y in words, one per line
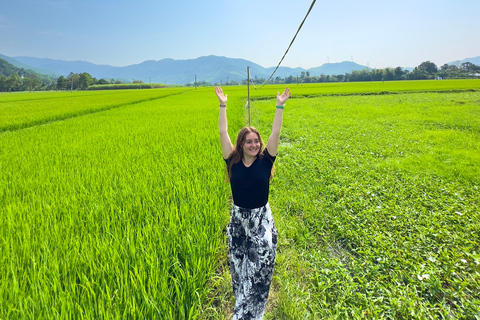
column 113, row 203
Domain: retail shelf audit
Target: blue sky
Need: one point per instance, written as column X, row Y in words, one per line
column 377, row 33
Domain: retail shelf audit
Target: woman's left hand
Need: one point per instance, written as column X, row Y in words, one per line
column 282, row 98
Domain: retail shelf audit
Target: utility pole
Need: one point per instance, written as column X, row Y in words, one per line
column 248, row 94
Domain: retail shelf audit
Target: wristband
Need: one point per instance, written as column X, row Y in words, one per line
column 223, row 106
column 279, row 107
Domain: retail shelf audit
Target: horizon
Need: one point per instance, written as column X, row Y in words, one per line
column 338, row 62
column 120, row 33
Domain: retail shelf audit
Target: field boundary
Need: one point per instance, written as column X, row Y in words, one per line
column 379, row 93
column 67, row 116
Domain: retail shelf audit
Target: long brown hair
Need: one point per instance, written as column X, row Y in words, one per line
column 237, row 154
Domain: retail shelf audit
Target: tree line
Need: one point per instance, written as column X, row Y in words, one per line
column 13, row 78
column 19, row 79
column 81, row 81
column 426, row 70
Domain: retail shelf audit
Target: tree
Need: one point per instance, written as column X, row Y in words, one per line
column 30, row 83
column 290, row 79
column 12, row 82
column 399, row 73
column 388, row 74
column 61, row 83
column 469, row 67
column 3, row 81
column 429, row 67
column 85, row 79
column 72, row 81
column 418, row 74
column 307, row 79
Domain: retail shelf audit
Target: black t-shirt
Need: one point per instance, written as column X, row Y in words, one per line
column 250, row 185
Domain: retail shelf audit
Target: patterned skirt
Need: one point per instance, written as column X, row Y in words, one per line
column 252, row 239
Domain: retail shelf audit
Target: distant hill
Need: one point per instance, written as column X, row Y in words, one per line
column 474, row 60
column 336, row 68
column 7, row 69
column 26, row 66
column 213, row 69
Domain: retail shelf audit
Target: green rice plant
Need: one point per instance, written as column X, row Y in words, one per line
column 366, row 88
column 115, row 207
column 383, row 216
column 22, row 110
column 114, row 214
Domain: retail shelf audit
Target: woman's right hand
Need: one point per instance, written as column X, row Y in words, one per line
column 222, row 98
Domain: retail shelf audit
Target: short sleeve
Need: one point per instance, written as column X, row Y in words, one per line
column 268, row 155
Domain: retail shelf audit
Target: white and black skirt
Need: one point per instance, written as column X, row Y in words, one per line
column 252, row 240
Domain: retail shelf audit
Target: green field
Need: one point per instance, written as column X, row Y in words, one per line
column 113, row 203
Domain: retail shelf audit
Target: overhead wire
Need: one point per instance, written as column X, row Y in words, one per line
column 248, row 69
column 310, row 9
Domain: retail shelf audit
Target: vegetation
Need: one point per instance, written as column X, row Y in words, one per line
column 426, row 70
column 19, row 79
column 23, row 111
column 113, row 203
column 15, row 79
column 376, row 199
column 383, row 219
column 112, row 214
column 139, row 85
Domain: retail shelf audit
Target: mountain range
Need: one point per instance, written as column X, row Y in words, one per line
column 213, row 69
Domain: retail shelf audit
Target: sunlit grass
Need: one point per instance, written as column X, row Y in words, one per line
column 115, row 206
column 114, row 214
column 22, row 110
column 384, row 213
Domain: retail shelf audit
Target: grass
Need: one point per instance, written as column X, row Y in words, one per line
column 112, row 214
column 383, row 220
column 22, row 110
column 113, row 205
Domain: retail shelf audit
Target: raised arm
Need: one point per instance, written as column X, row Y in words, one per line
column 274, row 139
column 225, row 142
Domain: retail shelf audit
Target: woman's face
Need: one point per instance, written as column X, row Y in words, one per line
column 251, row 146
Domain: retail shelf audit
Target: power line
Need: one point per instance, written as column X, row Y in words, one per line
column 311, row 6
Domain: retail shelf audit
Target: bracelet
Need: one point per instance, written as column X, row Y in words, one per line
column 279, row 107
column 223, row 106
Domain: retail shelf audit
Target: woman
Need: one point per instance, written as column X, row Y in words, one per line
column 252, row 236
